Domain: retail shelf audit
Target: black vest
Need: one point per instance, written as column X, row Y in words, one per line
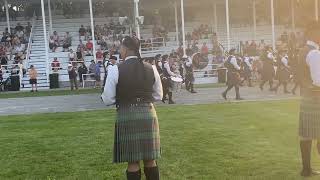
column 135, row 83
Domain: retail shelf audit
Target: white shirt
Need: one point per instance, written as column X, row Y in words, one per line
column 189, row 62
column 313, row 61
column 284, row 61
column 109, row 94
column 247, row 61
column 167, row 68
column 234, row 62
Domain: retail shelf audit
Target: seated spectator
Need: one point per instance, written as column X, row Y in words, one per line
column 82, row 70
column 79, row 55
column 52, row 44
column 55, row 65
column 3, row 60
column 81, row 46
column 56, row 38
column 92, row 67
column 89, row 47
column 1, row 79
column 19, row 27
column 67, row 42
column 72, row 56
column 3, row 50
column 194, row 47
column 18, row 58
column 99, row 55
column 204, row 49
column 19, row 48
column 82, row 33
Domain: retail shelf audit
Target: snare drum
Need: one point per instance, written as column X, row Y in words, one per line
column 176, row 83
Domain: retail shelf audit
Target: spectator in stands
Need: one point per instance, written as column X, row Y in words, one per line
column 82, row 70
column 79, row 55
column 72, row 77
column 204, row 50
column 98, row 75
column 18, row 58
column 189, row 38
column 262, row 46
column 4, row 60
column 194, row 47
column 81, row 46
column 253, row 49
column 19, row 27
column 89, row 47
column 246, row 48
column 1, row 79
column 72, row 55
column 33, row 75
column 67, row 42
column 28, row 29
column 19, row 48
column 52, row 44
column 55, row 65
column 99, row 55
column 82, row 33
column 92, row 67
column 56, row 38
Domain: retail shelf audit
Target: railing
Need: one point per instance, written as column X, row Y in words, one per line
column 153, row 45
column 30, row 43
column 7, row 70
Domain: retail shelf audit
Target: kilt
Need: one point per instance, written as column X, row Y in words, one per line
column 310, row 115
column 233, row 78
column 137, row 134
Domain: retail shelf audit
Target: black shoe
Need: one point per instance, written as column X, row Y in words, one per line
column 224, row 95
column 193, row 92
column 152, row 173
column 134, row 175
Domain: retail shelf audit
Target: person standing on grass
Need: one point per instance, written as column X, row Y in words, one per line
column 33, row 75
column 133, row 87
column 72, row 77
column 309, row 65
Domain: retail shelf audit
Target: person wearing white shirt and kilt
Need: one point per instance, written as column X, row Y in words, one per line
column 189, row 76
column 133, row 87
column 283, row 73
column 309, row 126
column 233, row 75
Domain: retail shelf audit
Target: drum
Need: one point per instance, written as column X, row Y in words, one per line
column 176, row 83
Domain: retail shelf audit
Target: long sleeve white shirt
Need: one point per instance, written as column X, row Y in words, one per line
column 109, row 94
column 313, row 61
column 285, row 61
column 234, row 62
column 247, row 61
column 167, row 68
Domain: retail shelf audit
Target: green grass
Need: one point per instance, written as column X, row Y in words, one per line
column 66, row 92
column 256, row 140
column 58, row 92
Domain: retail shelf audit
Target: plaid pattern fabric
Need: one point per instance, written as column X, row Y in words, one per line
column 310, row 116
column 136, row 134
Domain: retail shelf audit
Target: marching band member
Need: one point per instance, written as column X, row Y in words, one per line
column 233, row 75
column 167, row 74
column 247, row 70
column 189, row 77
column 268, row 68
column 283, row 73
column 309, row 129
column 133, row 87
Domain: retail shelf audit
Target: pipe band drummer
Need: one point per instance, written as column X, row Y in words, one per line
column 133, row 87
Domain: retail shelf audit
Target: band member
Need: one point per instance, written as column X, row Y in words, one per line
column 268, row 68
column 293, row 63
column 158, row 63
column 233, row 75
column 283, row 73
column 133, row 87
column 309, row 129
column 166, row 79
column 189, row 77
column 247, row 70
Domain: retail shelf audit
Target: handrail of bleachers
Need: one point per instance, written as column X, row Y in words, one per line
column 84, row 79
column 30, row 42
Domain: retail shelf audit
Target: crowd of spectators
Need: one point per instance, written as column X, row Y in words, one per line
column 198, row 33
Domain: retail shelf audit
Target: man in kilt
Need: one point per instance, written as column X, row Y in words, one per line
column 309, row 129
column 283, row 73
column 233, row 75
column 133, row 87
column 268, row 72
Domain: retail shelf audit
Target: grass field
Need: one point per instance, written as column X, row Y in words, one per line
column 256, row 140
column 65, row 92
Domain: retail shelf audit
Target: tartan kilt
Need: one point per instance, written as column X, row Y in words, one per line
column 137, row 134
column 310, row 115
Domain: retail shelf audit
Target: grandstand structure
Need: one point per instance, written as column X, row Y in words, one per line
column 218, row 15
